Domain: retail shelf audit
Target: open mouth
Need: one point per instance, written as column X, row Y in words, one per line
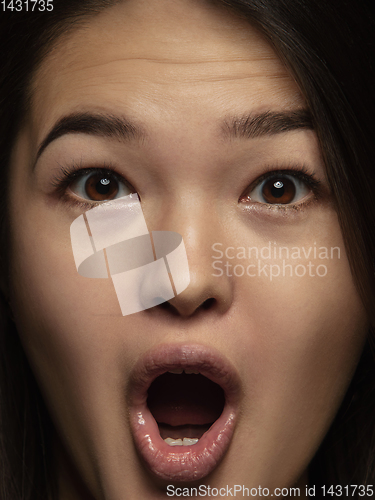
column 183, row 406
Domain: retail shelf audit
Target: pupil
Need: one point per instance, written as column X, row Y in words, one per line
column 278, row 189
column 103, row 186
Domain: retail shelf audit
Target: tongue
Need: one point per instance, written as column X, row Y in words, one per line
column 183, row 399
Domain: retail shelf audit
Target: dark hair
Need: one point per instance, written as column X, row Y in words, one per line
column 328, row 45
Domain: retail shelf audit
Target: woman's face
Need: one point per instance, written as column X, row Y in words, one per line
column 217, row 142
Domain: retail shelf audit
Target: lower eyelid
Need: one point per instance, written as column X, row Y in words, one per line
column 79, row 203
column 273, row 212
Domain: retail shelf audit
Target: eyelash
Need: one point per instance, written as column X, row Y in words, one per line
column 67, row 175
column 301, row 173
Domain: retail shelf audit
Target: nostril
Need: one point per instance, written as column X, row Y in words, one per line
column 186, row 309
column 208, row 303
column 168, row 307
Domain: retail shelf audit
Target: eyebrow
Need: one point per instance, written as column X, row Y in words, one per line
column 267, row 123
column 108, row 125
column 102, row 125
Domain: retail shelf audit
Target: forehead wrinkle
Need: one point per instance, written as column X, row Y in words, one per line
column 118, row 85
column 74, row 64
column 211, row 72
column 178, row 61
column 74, row 50
column 69, row 59
column 80, row 43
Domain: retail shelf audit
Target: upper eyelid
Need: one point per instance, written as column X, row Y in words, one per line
column 101, row 171
column 77, row 175
column 69, row 174
column 81, row 171
column 301, row 173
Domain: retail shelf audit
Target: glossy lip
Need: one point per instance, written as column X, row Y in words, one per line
column 185, row 463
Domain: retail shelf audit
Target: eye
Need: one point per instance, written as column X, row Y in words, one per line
column 98, row 185
column 280, row 189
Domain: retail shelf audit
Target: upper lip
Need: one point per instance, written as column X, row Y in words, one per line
column 207, row 360
column 192, row 462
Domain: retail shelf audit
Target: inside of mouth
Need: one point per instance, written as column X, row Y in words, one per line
column 184, row 405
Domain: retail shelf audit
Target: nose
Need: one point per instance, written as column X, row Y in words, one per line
column 206, row 291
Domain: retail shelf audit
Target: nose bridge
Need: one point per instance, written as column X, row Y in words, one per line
column 200, row 227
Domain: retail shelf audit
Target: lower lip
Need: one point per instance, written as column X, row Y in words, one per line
column 182, row 463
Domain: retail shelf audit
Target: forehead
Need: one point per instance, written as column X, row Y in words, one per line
column 147, row 56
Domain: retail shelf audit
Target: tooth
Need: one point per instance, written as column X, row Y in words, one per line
column 191, row 370
column 176, row 371
column 180, row 442
column 173, row 442
column 190, row 441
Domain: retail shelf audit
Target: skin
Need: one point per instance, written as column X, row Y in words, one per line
column 179, row 68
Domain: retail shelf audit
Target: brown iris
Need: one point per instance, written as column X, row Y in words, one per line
column 279, row 190
column 99, row 187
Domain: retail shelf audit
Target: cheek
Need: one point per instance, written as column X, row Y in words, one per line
column 300, row 299
column 303, row 337
column 78, row 343
column 308, row 341
column 67, row 323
